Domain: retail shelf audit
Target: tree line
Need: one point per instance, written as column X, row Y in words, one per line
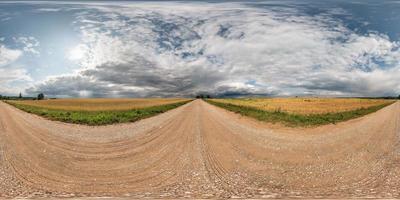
column 40, row 96
column 202, row 96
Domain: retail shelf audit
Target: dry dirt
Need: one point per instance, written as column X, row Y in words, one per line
column 199, row 151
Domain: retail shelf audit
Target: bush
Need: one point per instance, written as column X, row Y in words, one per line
column 202, row 96
column 40, row 96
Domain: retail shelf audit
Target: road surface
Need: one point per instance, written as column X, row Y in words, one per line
column 199, row 151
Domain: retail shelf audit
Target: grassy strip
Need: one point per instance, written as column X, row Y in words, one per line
column 95, row 118
column 296, row 119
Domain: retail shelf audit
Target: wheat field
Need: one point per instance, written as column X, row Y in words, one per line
column 101, row 104
column 306, row 105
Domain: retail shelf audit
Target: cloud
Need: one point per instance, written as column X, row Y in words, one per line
column 8, row 56
column 13, row 79
column 7, row 75
column 48, row 9
column 73, row 85
column 77, row 52
column 28, row 44
column 181, row 49
column 5, row 19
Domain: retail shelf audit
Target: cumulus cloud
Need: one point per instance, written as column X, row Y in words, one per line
column 181, row 49
column 11, row 75
column 9, row 78
column 15, row 81
column 8, row 56
column 82, row 86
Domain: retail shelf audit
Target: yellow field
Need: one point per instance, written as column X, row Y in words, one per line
column 305, row 105
column 99, row 104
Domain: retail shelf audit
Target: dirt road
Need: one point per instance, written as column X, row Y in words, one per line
column 199, row 151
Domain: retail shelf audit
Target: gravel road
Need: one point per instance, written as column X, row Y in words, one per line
column 199, row 151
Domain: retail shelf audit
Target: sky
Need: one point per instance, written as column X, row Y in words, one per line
column 185, row 48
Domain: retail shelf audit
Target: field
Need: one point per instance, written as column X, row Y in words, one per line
column 98, row 104
column 302, row 111
column 98, row 111
column 305, row 106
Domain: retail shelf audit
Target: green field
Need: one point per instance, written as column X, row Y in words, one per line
column 94, row 118
column 295, row 119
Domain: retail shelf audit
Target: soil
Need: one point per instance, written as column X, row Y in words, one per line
column 199, row 151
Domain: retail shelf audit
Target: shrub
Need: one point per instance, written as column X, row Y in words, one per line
column 40, row 96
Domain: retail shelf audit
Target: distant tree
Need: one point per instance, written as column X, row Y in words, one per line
column 40, row 96
column 398, row 97
column 208, row 96
column 20, row 95
column 1, row 97
column 200, row 96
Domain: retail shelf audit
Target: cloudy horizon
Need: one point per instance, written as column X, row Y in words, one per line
column 184, row 48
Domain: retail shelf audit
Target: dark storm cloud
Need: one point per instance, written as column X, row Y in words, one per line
column 73, row 86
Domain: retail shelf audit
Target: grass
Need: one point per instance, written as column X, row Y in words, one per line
column 99, row 117
column 299, row 120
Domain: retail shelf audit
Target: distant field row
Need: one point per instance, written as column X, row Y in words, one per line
column 305, row 106
column 101, row 104
column 98, row 111
column 289, row 111
column 302, row 111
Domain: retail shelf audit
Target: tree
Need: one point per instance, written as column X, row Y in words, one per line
column 398, row 97
column 40, row 96
column 20, row 95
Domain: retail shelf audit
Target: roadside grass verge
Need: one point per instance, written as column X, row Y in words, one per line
column 96, row 118
column 298, row 120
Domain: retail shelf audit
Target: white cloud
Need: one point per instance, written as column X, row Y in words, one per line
column 226, row 48
column 13, row 80
column 49, row 9
column 78, row 52
column 8, row 56
column 28, row 44
column 8, row 75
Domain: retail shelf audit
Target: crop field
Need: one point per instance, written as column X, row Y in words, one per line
column 306, row 106
column 98, row 111
column 302, row 111
column 101, row 104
